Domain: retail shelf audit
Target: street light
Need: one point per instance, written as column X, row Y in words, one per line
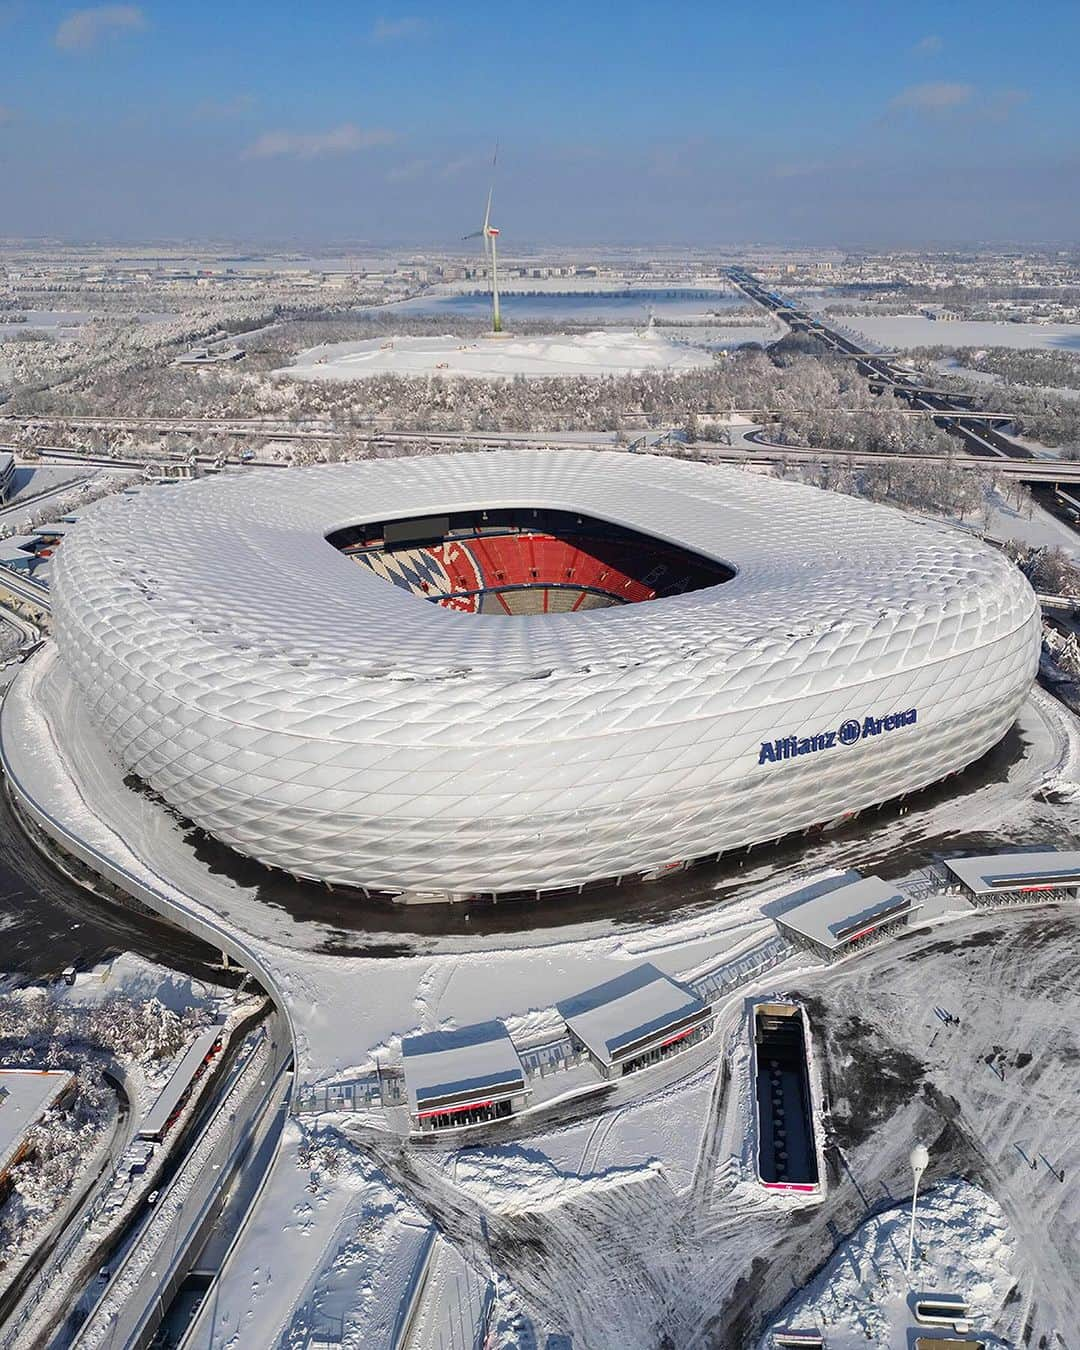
column 919, row 1159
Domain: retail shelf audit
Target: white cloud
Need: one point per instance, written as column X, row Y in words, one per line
column 936, row 97
column 406, row 173
column 928, row 46
column 397, row 30
column 345, row 139
column 453, row 167
column 84, row 28
column 999, row 106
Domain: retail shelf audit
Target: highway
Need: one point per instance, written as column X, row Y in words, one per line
column 764, row 452
column 24, row 589
column 952, row 412
column 1028, row 470
column 158, row 1260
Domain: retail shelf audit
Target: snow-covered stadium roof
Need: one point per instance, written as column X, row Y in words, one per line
column 310, row 714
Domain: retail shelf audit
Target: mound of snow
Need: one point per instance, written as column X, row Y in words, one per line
column 516, row 1180
column 863, row 1298
column 606, row 352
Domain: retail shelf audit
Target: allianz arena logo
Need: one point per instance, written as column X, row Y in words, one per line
column 849, row 732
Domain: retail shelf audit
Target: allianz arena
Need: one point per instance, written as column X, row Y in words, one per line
column 511, row 672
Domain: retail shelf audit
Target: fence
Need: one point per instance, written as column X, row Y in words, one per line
column 715, row 983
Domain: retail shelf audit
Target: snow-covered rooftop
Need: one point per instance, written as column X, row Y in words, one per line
column 179, row 1081
column 1017, row 871
column 25, row 1096
column 453, row 1069
column 845, row 913
column 626, row 1014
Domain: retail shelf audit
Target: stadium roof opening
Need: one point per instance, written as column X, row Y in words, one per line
column 526, row 560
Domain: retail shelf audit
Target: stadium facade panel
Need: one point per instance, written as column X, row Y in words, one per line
column 314, row 716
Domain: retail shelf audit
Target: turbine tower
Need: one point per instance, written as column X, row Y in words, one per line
column 489, row 234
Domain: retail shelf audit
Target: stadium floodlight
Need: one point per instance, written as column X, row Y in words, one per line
column 489, row 233
column 919, row 1159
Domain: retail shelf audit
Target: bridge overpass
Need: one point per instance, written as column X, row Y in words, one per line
column 1052, row 471
column 32, row 595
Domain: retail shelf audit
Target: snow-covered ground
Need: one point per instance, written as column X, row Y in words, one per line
column 633, row 1216
column 893, row 331
column 608, row 352
column 49, row 321
column 329, row 1252
column 863, row 1296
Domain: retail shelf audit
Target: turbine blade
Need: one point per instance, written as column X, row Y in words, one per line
column 487, row 210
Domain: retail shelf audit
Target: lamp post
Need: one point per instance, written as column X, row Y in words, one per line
column 919, row 1159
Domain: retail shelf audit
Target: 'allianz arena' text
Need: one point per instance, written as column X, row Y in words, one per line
column 409, row 726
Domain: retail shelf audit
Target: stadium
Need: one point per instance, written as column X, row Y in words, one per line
column 518, row 672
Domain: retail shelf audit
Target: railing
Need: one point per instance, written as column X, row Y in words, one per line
column 380, row 1087
column 739, row 970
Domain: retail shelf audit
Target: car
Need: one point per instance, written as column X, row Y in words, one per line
column 151, row 1199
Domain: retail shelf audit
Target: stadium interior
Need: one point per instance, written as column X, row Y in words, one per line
column 525, row 560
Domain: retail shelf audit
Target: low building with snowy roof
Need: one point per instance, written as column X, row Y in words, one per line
column 462, row 1077
column 25, row 1096
column 833, row 921
column 635, row 1019
column 174, row 1095
column 1002, row 878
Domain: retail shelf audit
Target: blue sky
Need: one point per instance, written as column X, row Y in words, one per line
column 681, row 123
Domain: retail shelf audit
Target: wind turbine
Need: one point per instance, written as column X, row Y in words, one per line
column 489, row 234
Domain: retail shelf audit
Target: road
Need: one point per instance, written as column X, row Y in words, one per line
column 949, row 410
column 49, row 921
column 158, row 1260
column 1051, row 471
column 760, row 451
column 35, row 1281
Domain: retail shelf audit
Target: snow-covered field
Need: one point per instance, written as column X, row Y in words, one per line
column 899, row 331
column 328, row 1254
column 608, row 352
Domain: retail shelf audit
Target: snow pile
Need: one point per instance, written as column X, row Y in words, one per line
column 141, row 980
column 517, row 1180
column 609, row 352
column 962, row 1246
